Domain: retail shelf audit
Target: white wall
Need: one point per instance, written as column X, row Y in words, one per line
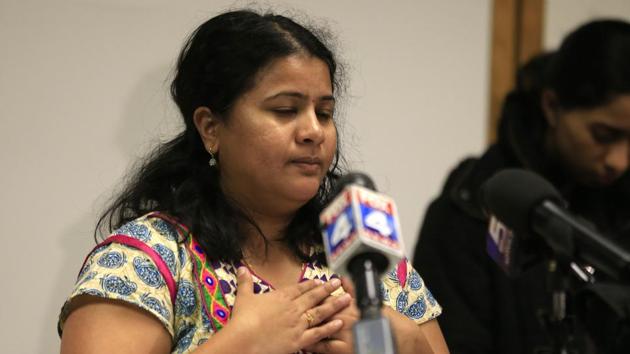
column 83, row 93
column 562, row 16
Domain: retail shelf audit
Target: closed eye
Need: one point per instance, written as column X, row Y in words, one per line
column 325, row 115
column 604, row 134
column 285, row 111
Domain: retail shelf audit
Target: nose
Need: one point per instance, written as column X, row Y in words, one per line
column 309, row 128
column 618, row 157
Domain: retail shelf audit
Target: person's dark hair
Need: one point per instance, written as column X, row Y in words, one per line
column 588, row 70
column 218, row 64
column 591, row 65
column 523, row 102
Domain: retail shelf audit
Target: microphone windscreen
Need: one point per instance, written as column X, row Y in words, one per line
column 356, row 178
column 512, row 195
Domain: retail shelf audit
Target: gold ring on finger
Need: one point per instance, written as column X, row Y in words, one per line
column 309, row 318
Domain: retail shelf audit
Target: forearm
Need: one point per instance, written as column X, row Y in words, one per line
column 412, row 338
column 227, row 340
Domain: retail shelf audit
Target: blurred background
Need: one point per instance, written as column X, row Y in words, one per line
column 84, row 93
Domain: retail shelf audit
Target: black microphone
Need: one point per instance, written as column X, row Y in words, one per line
column 362, row 238
column 529, row 205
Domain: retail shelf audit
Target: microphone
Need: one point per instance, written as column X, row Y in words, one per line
column 362, row 238
column 525, row 203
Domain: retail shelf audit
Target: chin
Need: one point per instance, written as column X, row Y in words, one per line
column 305, row 197
column 605, row 182
column 599, row 182
column 305, row 192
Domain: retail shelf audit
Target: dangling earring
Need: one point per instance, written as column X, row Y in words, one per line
column 213, row 161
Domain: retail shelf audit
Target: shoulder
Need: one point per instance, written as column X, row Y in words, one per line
column 156, row 234
column 140, row 263
column 461, row 188
column 153, row 228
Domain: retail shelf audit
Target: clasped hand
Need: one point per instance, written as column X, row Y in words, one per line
column 302, row 316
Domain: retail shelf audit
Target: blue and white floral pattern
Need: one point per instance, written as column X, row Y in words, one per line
column 417, row 309
column 181, row 253
column 85, row 268
column 156, row 305
column 86, row 278
column 391, row 275
column 186, row 301
column 118, row 285
column 147, row 272
column 401, row 301
column 167, row 256
column 415, row 282
column 164, row 228
column 111, row 260
column 93, row 292
column 135, row 230
column 184, row 337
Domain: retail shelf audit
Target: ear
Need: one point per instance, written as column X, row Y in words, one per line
column 550, row 107
column 207, row 125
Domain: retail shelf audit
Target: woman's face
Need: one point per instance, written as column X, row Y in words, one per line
column 280, row 138
column 594, row 143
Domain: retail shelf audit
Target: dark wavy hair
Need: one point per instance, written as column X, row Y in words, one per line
column 217, row 64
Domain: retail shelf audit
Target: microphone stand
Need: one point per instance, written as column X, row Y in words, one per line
column 605, row 309
column 601, row 309
column 573, row 239
column 560, row 323
column 372, row 333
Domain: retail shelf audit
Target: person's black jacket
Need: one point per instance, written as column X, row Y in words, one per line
column 486, row 312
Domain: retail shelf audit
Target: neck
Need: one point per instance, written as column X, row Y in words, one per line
column 261, row 248
column 273, row 227
column 271, row 219
column 274, row 261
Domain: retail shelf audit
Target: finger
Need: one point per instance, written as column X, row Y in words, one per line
column 329, row 346
column 298, row 289
column 314, row 296
column 347, row 285
column 331, row 306
column 318, row 333
column 244, row 282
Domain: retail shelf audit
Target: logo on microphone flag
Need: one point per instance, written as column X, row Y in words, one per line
column 359, row 218
column 500, row 243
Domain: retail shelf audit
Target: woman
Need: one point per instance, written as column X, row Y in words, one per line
column 216, row 247
column 568, row 119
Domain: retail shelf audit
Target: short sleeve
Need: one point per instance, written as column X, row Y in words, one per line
column 119, row 271
column 404, row 290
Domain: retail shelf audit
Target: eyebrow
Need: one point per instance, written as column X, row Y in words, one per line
column 299, row 95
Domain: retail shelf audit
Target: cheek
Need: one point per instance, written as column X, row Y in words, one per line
column 576, row 143
column 587, row 150
column 331, row 145
column 243, row 153
column 581, row 151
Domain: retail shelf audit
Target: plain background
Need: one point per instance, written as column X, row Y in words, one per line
column 83, row 94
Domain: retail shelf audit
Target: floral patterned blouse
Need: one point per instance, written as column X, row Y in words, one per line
column 155, row 263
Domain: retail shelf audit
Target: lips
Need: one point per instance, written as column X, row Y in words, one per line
column 308, row 164
column 310, row 160
column 608, row 179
